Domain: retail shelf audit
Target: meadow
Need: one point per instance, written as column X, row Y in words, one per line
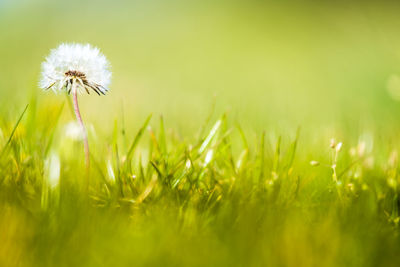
column 234, row 134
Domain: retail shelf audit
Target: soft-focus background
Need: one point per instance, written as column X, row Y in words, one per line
column 331, row 68
column 269, row 64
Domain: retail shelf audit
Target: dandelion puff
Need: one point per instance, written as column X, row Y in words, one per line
column 76, row 68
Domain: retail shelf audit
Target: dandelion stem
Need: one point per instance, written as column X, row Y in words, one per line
column 79, row 118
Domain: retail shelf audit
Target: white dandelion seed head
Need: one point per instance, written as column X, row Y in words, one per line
column 79, row 67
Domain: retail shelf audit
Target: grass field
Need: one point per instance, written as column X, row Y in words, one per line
column 234, row 134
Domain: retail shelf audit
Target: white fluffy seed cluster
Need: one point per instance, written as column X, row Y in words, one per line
column 79, row 67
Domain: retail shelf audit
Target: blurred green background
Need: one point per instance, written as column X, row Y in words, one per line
column 269, row 64
column 331, row 67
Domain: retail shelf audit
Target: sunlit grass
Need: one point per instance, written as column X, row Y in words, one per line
column 251, row 180
column 157, row 198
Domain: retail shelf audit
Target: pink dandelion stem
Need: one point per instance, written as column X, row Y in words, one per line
column 83, row 128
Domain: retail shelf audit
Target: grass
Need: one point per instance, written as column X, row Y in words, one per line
column 217, row 199
column 258, row 185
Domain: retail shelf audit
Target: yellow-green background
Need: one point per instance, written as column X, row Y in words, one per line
column 269, row 64
column 322, row 65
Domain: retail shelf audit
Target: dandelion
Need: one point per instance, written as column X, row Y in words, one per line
column 76, row 68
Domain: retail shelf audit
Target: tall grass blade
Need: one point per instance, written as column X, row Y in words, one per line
column 262, row 157
column 277, row 155
column 293, row 149
column 210, row 136
column 13, row 131
column 51, row 137
column 137, row 138
column 162, row 140
column 242, row 136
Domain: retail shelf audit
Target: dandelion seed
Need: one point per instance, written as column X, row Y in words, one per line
column 76, row 68
column 314, row 163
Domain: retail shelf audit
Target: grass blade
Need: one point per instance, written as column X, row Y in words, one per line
column 243, row 136
column 162, row 140
column 46, row 151
column 262, row 157
column 293, row 149
column 277, row 155
column 210, row 136
column 137, row 138
column 13, row 132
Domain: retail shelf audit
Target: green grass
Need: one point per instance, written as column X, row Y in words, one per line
column 192, row 187
column 218, row 198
